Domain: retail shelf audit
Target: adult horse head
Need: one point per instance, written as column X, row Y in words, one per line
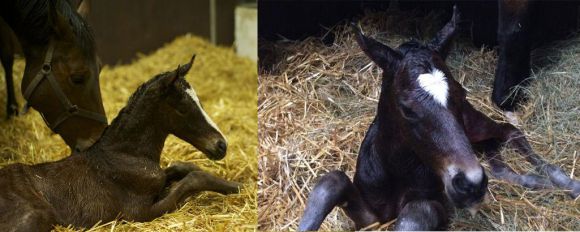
column 61, row 77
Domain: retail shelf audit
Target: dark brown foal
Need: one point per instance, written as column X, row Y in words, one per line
column 119, row 176
column 417, row 159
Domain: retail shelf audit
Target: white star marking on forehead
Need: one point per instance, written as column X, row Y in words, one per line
column 435, row 84
column 193, row 96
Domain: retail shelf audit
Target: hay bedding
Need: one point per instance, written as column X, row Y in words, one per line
column 225, row 83
column 316, row 103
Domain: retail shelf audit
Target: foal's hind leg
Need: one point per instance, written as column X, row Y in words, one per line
column 335, row 189
column 422, row 215
column 481, row 129
column 189, row 185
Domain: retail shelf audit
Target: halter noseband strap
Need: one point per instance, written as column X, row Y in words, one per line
column 70, row 109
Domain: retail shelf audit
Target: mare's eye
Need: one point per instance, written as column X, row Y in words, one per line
column 77, row 79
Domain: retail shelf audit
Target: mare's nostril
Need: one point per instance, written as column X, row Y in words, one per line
column 222, row 146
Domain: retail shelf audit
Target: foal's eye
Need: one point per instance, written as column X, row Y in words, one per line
column 77, row 79
column 408, row 113
column 180, row 111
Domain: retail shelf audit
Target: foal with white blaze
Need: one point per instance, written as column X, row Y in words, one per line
column 418, row 157
column 119, row 176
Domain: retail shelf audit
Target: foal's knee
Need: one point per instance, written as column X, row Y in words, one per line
column 422, row 215
column 332, row 185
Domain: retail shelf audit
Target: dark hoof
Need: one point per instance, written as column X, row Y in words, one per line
column 236, row 187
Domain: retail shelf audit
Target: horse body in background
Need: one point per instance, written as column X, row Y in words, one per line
column 523, row 25
column 61, row 74
column 119, row 176
column 516, row 27
column 418, row 157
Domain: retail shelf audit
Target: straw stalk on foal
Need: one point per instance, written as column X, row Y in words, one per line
column 419, row 154
column 119, row 176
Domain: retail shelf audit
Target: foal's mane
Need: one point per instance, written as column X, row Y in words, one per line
column 33, row 18
column 137, row 97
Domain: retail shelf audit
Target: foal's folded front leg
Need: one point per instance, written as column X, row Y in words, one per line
column 178, row 170
column 335, row 189
column 422, row 215
column 516, row 139
column 480, row 128
column 189, row 185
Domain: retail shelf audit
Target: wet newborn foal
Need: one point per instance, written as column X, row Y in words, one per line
column 119, row 176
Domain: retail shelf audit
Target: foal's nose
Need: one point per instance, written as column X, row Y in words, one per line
column 222, row 147
column 466, row 186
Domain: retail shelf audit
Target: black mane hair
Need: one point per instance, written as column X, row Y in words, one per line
column 137, row 96
column 31, row 19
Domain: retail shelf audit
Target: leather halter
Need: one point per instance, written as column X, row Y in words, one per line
column 70, row 109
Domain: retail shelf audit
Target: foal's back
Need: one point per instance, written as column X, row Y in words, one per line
column 69, row 191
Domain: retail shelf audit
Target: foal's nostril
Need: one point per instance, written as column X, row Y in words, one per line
column 461, row 184
column 222, row 146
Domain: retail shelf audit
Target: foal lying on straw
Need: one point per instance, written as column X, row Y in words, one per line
column 418, row 157
column 119, row 176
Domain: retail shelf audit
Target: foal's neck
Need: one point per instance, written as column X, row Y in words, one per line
column 134, row 133
column 389, row 139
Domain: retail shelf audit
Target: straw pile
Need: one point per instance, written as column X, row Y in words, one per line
column 225, row 83
column 316, row 102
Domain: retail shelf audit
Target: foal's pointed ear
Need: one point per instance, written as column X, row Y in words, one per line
column 444, row 38
column 184, row 69
column 170, row 79
column 380, row 54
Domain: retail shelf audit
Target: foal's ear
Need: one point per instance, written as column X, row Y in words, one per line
column 384, row 56
column 182, row 70
column 179, row 72
column 442, row 41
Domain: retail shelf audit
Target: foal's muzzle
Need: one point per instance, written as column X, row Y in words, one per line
column 219, row 150
column 464, row 193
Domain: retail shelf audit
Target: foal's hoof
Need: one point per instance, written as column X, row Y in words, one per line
column 235, row 187
column 513, row 118
column 575, row 189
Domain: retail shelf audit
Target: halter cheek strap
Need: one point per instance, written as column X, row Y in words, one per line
column 70, row 109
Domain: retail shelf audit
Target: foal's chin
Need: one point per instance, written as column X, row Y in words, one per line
column 470, row 202
column 213, row 151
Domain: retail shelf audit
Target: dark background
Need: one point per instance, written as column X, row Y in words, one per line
column 124, row 28
column 298, row 19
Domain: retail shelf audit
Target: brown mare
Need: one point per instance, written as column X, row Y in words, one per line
column 61, row 77
column 418, row 157
column 119, row 176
